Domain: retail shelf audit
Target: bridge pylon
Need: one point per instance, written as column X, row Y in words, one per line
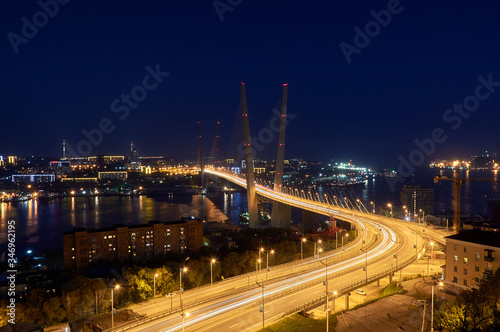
column 251, row 193
column 200, row 156
column 281, row 213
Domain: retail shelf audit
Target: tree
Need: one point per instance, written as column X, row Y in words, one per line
column 79, row 296
column 473, row 310
column 3, row 312
column 53, row 312
column 232, row 265
column 141, row 282
column 32, row 311
column 139, row 288
column 196, row 273
column 165, row 281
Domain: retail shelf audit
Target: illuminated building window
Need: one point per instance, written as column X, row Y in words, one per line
column 455, row 258
column 466, row 260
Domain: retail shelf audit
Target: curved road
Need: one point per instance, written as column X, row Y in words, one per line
column 387, row 242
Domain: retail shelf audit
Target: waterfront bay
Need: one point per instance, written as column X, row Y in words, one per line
column 40, row 226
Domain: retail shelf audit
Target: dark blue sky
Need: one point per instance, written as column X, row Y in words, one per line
column 396, row 88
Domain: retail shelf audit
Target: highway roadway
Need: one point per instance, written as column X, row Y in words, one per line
column 389, row 242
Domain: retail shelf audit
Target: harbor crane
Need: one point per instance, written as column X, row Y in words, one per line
column 458, row 184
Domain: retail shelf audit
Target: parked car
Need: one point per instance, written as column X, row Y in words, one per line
column 360, row 292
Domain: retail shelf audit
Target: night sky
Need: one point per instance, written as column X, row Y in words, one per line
column 64, row 79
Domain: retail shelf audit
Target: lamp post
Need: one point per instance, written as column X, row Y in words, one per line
column 366, row 263
column 347, row 235
column 186, row 315
column 301, row 247
column 327, row 309
column 261, row 250
column 320, row 250
column 432, row 307
column 373, row 204
column 267, row 261
column 334, row 298
column 257, row 268
column 396, row 267
column 211, row 271
column 262, row 308
column 181, row 291
column 390, row 205
column 112, row 307
column 154, row 285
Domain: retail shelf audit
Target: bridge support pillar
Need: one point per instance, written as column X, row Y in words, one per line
column 251, row 193
column 281, row 215
column 378, row 282
column 347, row 301
column 309, row 220
column 390, row 277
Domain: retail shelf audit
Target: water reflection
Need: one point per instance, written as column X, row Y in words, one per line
column 41, row 224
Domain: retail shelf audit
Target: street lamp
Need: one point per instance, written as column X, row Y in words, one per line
column 316, row 249
column 366, row 263
column 334, row 298
column 112, row 308
column 260, row 258
column 211, row 271
column 320, row 250
column 267, row 261
column 186, row 315
column 301, row 247
column 373, row 204
column 181, row 291
column 432, row 307
column 327, row 309
column 263, row 305
column 347, row 235
column 154, row 285
column 257, row 268
column 396, row 267
column 390, row 205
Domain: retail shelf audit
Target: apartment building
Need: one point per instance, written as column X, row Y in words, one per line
column 471, row 256
column 82, row 247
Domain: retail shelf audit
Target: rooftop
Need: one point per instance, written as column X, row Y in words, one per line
column 479, row 237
